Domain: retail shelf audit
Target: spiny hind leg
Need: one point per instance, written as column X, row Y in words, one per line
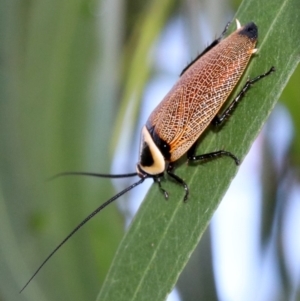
column 219, row 119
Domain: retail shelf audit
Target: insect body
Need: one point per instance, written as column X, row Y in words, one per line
column 175, row 125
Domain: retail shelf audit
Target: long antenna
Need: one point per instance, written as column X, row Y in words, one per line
column 85, row 220
column 92, row 174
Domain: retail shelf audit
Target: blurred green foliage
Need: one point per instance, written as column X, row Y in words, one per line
column 68, row 70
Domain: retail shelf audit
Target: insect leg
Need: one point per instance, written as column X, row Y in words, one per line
column 222, row 117
column 158, row 181
column 213, row 155
column 178, row 180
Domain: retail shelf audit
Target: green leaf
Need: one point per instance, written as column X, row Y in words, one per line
column 164, row 233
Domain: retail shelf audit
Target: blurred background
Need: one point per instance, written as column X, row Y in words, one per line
column 77, row 81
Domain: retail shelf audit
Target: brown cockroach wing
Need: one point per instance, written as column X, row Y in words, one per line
column 196, row 98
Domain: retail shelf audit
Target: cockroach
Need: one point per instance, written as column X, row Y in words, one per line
column 194, row 102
